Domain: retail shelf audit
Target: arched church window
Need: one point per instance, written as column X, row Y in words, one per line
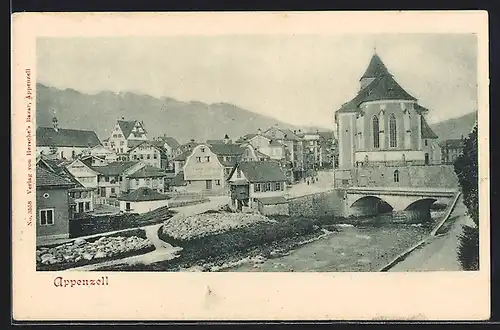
column 392, row 132
column 376, row 138
column 396, row 176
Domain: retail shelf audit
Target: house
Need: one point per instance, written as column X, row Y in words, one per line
column 84, row 179
column 142, row 200
column 146, row 176
column 52, row 205
column 125, row 135
column 450, row 150
column 102, row 152
column 111, row 177
column 250, row 154
column 149, row 152
column 204, row 171
column 90, row 160
column 228, row 154
column 311, row 149
column 226, row 140
column 62, row 143
column 327, row 151
column 253, row 181
column 180, row 160
column 293, row 142
column 171, row 146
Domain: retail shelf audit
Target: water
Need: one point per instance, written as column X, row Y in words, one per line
column 354, row 248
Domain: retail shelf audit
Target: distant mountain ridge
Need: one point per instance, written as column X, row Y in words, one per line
column 182, row 120
column 455, row 128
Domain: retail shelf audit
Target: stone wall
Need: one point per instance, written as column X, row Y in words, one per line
column 319, row 204
column 430, row 176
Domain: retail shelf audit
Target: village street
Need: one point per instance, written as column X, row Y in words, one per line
column 163, row 251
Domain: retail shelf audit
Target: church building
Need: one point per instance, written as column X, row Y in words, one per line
column 384, row 124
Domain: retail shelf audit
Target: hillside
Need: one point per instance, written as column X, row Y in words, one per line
column 455, row 128
column 183, row 120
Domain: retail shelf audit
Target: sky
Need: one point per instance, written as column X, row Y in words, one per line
column 298, row 79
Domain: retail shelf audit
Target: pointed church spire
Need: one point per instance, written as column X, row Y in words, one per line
column 376, row 68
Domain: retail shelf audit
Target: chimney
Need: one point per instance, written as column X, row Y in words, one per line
column 192, row 140
column 226, row 139
column 300, row 131
column 123, row 118
column 259, row 131
column 294, row 131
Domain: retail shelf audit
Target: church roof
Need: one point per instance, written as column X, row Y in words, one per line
column 376, row 68
column 426, row 131
column 63, row 137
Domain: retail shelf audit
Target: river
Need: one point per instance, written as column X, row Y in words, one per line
column 354, row 248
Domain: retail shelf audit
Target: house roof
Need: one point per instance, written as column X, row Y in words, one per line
column 272, row 200
column 452, row 143
column 46, row 178
column 261, row 171
column 376, row 68
column 248, row 137
column 143, row 194
column 148, row 171
column 426, row 130
column 275, row 143
column 127, row 126
column 132, row 144
column 114, row 168
column 228, row 149
column 215, row 141
column 289, row 134
column 184, row 155
column 172, row 142
column 48, row 137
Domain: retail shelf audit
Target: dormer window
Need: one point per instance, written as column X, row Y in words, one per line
column 202, row 149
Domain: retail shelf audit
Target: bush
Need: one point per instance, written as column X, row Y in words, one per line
column 468, row 252
column 466, row 168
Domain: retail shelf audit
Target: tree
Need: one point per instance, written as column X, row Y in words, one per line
column 466, row 168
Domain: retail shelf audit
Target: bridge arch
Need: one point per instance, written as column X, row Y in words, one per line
column 369, row 205
column 423, row 204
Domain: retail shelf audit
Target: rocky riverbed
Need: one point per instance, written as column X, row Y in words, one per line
column 209, row 223
column 80, row 249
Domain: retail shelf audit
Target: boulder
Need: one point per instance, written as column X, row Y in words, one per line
column 46, row 256
column 87, row 256
column 80, row 241
column 100, row 254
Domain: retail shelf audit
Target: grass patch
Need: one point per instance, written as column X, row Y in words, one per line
column 447, row 225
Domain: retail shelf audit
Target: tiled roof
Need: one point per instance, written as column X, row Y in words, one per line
column 272, row 200
column 226, row 149
column 114, row 168
column 148, row 171
column 172, row 142
column 275, row 143
column 126, row 126
column 184, row 155
column 46, row 178
column 426, row 131
column 262, row 171
column 420, row 109
column 215, row 141
column 289, row 135
column 376, row 68
column 132, row 144
column 143, row 194
column 48, row 137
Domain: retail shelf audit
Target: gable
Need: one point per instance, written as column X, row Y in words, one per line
column 79, row 168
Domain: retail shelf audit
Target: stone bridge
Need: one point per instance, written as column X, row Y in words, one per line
column 415, row 202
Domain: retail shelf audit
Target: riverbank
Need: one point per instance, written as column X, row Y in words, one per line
column 440, row 252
